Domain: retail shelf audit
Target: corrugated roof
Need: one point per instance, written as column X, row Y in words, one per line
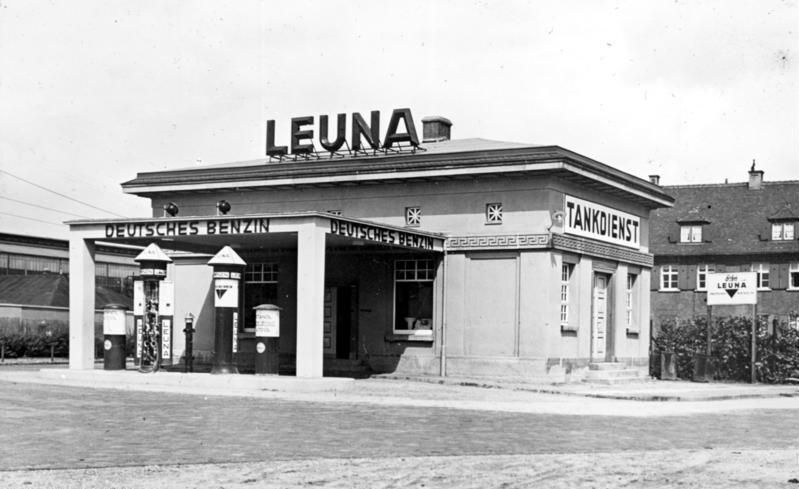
column 738, row 219
column 50, row 290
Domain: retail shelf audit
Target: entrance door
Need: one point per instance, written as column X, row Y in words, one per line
column 599, row 321
column 340, row 322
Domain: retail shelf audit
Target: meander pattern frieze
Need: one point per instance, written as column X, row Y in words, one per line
column 588, row 247
column 544, row 241
column 498, row 242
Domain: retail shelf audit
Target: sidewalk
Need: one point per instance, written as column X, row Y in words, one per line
column 429, row 388
column 643, row 390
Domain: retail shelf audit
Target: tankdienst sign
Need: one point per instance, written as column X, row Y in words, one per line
column 730, row 289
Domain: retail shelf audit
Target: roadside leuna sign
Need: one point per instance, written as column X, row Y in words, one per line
column 729, row 289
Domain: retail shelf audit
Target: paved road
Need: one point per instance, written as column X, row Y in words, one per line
column 45, row 426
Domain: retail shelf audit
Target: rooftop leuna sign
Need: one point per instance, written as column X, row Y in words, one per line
column 302, row 135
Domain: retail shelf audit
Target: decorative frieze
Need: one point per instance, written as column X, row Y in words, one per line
column 498, row 242
column 544, row 241
column 588, row 247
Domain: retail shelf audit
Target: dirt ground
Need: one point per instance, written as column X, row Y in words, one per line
column 710, row 468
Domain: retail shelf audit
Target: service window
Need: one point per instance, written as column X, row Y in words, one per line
column 260, row 287
column 413, row 296
column 631, row 303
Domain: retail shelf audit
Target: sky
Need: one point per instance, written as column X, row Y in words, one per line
column 92, row 93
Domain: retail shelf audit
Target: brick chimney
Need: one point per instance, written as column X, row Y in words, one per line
column 755, row 178
column 654, row 179
column 435, row 128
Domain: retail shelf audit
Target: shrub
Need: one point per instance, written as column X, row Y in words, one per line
column 777, row 352
column 36, row 344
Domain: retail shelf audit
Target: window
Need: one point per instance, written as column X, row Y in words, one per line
column 668, row 278
column 630, row 300
column 691, row 233
column 762, row 275
column 260, row 287
column 494, row 213
column 413, row 216
column 782, row 231
column 565, row 277
column 413, row 296
column 793, row 276
column 701, row 276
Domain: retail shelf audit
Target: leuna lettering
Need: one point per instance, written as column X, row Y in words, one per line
column 301, row 136
column 731, row 282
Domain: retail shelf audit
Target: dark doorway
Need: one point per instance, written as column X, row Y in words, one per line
column 346, row 318
column 341, row 322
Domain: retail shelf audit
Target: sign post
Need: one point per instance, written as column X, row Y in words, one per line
column 732, row 289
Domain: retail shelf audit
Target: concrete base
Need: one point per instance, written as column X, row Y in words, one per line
column 192, row 382
column 498, row 367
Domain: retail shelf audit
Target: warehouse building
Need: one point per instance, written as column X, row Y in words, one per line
column 34, row 281
column 411, row 255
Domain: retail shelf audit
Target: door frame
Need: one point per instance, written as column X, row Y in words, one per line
column 609, row 329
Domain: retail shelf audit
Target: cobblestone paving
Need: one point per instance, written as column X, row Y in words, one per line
column 66, row 427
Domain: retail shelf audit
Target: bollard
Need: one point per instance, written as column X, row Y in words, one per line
column 188, row 358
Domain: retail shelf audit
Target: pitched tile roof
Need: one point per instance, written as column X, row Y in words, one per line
column 738, row 219
column 50, row 290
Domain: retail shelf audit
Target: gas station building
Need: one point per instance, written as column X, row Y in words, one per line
column 421, row 257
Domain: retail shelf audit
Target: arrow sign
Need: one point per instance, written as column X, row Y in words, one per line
column 227, row 293
column 730, row 289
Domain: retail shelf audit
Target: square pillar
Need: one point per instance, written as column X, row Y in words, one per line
column 310, row 298
column 81, row 303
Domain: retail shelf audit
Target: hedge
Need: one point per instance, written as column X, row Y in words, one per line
column 30, row 344
column 777, row 348
column 37, row 344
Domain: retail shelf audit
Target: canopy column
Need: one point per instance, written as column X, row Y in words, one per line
column 81, row 303
column 310, row 297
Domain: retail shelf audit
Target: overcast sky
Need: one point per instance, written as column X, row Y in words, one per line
column 93, row 92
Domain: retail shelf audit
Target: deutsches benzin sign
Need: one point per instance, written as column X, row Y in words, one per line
column 592, row 220
column 204, row 227
column 730, row 289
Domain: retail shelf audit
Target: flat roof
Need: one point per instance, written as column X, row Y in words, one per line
column 438, row 161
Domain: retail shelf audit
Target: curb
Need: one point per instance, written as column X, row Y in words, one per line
column 789, row 391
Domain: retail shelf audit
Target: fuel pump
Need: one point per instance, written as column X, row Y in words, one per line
column 152, row 262
column 228, row 266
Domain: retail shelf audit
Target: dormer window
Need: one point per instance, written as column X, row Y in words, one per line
column 691, row 233
column 691, row 228
column 783, row 224
column 782, row 231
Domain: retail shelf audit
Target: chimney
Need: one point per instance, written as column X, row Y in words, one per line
column 435, row 128
column 755, row 178
column 654, row 179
